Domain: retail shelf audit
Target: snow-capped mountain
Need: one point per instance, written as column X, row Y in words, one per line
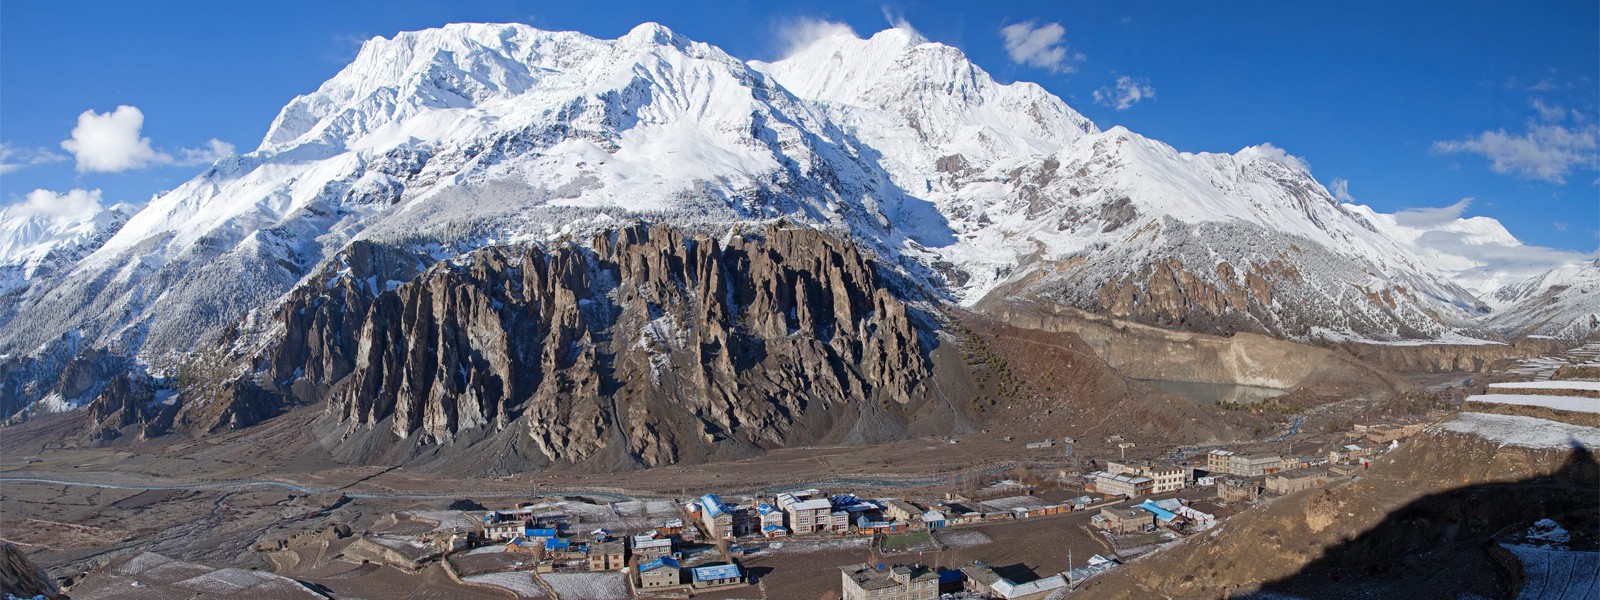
column 446, row 140
column 1563, row 302
column 47, row 233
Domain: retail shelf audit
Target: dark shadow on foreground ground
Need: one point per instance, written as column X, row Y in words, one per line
column 1443, row 545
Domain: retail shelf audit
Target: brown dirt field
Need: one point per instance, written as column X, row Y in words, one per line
column 473, row 564
column 1026, row 549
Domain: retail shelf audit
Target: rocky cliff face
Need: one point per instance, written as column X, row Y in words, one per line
column 61, row 376
column 644, row 346
column 20, row 578
column 1452, row 358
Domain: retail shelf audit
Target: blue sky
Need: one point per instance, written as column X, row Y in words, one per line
column 1420, row 105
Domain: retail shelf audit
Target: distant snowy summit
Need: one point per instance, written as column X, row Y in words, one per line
column 450, row 139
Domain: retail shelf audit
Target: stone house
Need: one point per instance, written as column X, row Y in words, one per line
column 607, row 555
column 868, row 582
column 1125, row 519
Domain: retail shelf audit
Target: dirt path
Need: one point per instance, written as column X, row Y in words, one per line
column 270, row 483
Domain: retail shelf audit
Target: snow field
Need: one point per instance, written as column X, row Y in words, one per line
column 1516, row 430
column 520, row 583
column 588, row 586
column 1572, row 403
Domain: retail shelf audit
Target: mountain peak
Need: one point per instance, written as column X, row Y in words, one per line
column 652, row 33
column 902, row 36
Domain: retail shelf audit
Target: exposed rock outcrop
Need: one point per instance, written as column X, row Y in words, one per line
column 21, row 578
column 1452, row 358
column 130, row 400
column 644, row 346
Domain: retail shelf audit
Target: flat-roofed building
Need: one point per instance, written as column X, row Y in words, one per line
column 1219, row 461
column 804, row 512
column 1125, row 519
column 1294, row 481
column 980, row 579
column 1230, row 489
column 1165, row 479
column 1243, row 465
column 900, row 582
column 1131, row 486
column 504, row 530
column 607, row 555
column 649, row 548
column 900, row 510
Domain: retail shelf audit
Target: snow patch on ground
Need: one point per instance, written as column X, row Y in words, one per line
column 964, row 539
column 589, row 586
column 1548, row 533
column 1592, row 386
column 1557, row 574
column 808, row 546
column 1571, row 403
column 520, row 583
column 1515, row 430
column 447, row 519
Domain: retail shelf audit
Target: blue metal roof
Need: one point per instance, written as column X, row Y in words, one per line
column 1160, row 513
column 657, row 564
column 715, row 572
column 554, row 543
column 539, row 532
column 712, row 504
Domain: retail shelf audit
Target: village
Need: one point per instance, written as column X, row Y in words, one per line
column 1022, row 535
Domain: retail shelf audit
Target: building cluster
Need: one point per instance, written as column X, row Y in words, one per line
column 880, row 582
column 1171, row 513
column 547, row 535
column 803, row 512
column 1379, row 434
column 1245, row 477
column 1136, row 480
column 976, row 580
column 655, row 559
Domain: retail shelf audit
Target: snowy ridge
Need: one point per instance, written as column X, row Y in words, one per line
column 1563, row 302
column 35, row 242
column 449, row 139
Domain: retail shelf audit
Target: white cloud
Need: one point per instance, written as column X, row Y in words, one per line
column 1341, row 190
column 213, row 150
column 113, row 142
column 1560, row 226
column 1275, row 154
column 1548, row 112
column 1043, row 46
column 1477, row 252
column 75, row 204
column 1126, row 93
column 898, row 21
column 1496, row 264
column 799, row 34
column 1546, row 152
column 13, row 158
column 1421, row 218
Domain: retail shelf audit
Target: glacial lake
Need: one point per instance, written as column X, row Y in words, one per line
column 1213, row 393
